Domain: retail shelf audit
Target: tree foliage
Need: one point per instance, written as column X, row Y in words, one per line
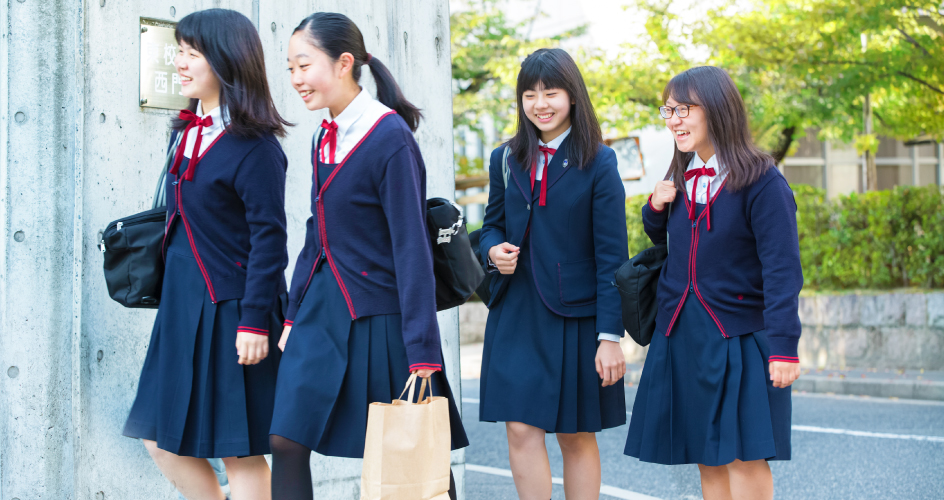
column 799, row 64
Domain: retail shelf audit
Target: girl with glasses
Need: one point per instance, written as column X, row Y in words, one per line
column 715, row 386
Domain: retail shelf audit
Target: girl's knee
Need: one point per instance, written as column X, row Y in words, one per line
column 577, row 442
column 523, row 434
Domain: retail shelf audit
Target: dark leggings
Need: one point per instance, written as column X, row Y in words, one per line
column 291, row 473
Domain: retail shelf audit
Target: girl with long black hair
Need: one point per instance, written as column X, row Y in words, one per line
column 362, row 306
column 555, row 234
column 208, row 382
column 715, row 387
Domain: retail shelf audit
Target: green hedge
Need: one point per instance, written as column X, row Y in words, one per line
column 877, row 240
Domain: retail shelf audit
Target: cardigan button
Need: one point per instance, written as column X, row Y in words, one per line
column 529, row 206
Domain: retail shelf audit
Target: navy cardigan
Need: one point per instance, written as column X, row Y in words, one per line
column 745, row 270
column 368, row 226
column 234, row 215
column 577, row 240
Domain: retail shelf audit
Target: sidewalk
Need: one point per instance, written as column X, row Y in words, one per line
column 899, row 384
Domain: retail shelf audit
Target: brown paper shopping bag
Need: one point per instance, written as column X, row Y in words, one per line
column 406, row 455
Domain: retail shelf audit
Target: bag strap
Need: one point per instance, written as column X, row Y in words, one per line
column 505, row 171
column 160, row 192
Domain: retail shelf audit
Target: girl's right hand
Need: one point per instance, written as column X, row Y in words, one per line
column 284, row 338
column 505, row 257
column 663, row 193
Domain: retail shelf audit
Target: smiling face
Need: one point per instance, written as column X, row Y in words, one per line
column 315, row 76
column 548, row 110
column 197, row 79
column 691, row 132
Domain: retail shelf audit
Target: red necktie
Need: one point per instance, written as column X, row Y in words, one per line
column 696, row 173
column 195, row 121
column 330, row 140
column 534, row 173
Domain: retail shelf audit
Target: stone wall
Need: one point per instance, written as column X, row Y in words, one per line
column 882, row 330
column 76, row 152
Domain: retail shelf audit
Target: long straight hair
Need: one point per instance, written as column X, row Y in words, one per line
column 555, row 69
column 334, row 34
column 230, row 43
column 714, row 91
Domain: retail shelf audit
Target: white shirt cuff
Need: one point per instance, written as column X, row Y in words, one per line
column 612, row 337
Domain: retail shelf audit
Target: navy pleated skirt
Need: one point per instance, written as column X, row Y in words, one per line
column 333, row 368
column 193, row 397
column 706, row 399
column 539, row 368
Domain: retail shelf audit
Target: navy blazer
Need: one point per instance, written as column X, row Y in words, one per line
column 578, row 239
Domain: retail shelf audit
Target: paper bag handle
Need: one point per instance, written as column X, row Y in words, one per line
column 411, row 386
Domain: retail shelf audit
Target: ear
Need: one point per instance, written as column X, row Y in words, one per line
column 344, row 64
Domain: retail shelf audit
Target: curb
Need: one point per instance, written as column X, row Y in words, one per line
column 929, row 390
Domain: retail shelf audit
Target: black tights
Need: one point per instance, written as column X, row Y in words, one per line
column 291, row 473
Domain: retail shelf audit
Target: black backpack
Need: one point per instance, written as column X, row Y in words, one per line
column 132, row 248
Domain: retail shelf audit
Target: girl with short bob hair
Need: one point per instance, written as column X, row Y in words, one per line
column 725, row 348
column 554, row 235
column 208, row 382
column 362, row 307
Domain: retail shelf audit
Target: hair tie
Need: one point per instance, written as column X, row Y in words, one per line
column 369, row 58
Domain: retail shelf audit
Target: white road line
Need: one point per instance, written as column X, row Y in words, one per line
column 611, row 491
column 826, row 430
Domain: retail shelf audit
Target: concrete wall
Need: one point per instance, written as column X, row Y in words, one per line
column 78, row 152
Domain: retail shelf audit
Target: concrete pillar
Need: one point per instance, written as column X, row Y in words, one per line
column 78, row 152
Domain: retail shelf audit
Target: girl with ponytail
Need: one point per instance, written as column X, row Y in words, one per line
column 362, row 299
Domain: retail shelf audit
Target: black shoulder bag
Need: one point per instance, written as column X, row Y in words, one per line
column 455, row 265
column 638, row 281
column 132, row 250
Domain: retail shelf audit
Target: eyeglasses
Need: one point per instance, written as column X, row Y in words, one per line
column 681, row 110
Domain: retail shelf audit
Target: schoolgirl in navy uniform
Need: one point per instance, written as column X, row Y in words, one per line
column 362, row 307
column 555, row 235
column 715, row 386
column 208, row 383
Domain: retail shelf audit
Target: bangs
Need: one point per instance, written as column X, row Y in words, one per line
column 682, row 88
column 542, row 72
column 188, row 30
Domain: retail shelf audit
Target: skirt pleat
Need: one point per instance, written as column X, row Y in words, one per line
column 707, row 399
column 193, row 398
column 333, row 368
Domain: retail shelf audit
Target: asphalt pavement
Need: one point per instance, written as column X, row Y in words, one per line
column 844, row 447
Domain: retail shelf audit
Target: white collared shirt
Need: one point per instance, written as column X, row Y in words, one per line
column 210, row 134
column 701, row 191
column 357, row 119
column 554, row 144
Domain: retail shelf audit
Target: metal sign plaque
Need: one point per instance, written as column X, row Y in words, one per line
column 160, row 83
column 628, row 158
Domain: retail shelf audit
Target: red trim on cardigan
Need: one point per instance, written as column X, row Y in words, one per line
column 783, row 359
column 426, row 366
column 287, row 323
column 319, row 205
column 649, row 201
column 249, row 329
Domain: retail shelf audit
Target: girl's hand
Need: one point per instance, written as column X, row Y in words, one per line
column 252, row 348
column 424, row 373
column 505, row 257
column 611, row 364
column 284, row 338
column 663, row 193
column 783, row 374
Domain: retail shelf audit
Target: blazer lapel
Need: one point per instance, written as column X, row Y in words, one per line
column 516, row 175
column 556, row 169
